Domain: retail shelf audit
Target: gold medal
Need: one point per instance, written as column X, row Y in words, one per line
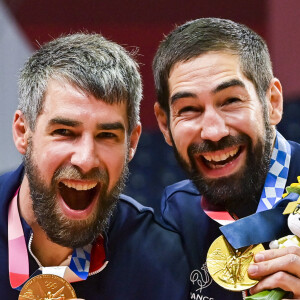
column 228, row 266
column 47, row 287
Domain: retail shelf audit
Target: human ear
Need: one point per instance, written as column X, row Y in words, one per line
column 162, row 120
column 134, row 140
column 20, row 132
column 275, row 104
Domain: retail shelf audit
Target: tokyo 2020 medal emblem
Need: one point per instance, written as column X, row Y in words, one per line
column 228, row 266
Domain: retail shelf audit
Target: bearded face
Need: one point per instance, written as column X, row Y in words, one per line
column 220, row 129
column 240, row 188
column 75, row 162
column 45, row 201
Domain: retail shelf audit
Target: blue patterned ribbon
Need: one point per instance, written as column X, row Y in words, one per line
column 277, row 175
column 80, row 261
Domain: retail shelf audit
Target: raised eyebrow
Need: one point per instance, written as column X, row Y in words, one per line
column 111, row 126
column 227, row 84
column 181, row 95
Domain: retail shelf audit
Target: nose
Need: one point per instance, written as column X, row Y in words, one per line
column 213, row 125
column 85, row 155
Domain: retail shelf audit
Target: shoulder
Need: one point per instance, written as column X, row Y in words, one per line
column 175, row 193
column 134, row 228
column 294, row 169
column 180, row 202
column 295, row 148
column 9, row 183
column 129, row 210
column 12, row 176
column 139, row 243
column 4, row 178
column 184, row 186
column 137, row 218
column 128, row 203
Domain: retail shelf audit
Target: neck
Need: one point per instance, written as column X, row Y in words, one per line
column 47, row 252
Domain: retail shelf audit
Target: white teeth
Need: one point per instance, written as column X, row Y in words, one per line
column 221, row 157
column 82, row 186
column 216, row 166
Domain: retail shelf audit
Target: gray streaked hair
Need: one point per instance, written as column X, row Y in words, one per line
column 94, row 64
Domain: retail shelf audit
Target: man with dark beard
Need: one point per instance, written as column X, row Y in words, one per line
column 77, row 127
column 218, row 105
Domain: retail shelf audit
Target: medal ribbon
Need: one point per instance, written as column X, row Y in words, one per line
column 220, row 216
column 18, row 265
column 277, row 175
column 18, row 256
column 260, row 227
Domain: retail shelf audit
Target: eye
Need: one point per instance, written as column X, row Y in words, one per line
column 107, row 135
column 63, row 132
column 231, row 101
column 187, row 109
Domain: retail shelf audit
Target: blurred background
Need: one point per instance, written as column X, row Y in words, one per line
column 24, row 24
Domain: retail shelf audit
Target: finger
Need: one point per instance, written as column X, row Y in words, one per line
column 289, row 263
column 282, row 280
column 275, row 253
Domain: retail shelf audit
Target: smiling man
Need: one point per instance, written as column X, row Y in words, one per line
column 218, row 105
column 77, row 127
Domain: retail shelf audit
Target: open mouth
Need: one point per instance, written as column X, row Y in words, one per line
column 218, row 159
column 78, row 195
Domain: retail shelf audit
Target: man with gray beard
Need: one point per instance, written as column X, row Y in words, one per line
column 217, row 105
column 77, row 127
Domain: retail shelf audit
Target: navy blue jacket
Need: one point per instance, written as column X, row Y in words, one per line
column 181, row 209
column 146, row 260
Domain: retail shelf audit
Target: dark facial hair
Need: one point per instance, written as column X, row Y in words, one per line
column 242, row 190
column 59, row 229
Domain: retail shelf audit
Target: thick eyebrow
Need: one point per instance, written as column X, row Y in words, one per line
column 64, row 121
column 73, row 123
column 181, row 95
column 111, row 126
column 227, row 84
column 220, row 87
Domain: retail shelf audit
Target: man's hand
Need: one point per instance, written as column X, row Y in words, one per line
column 277, row 268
